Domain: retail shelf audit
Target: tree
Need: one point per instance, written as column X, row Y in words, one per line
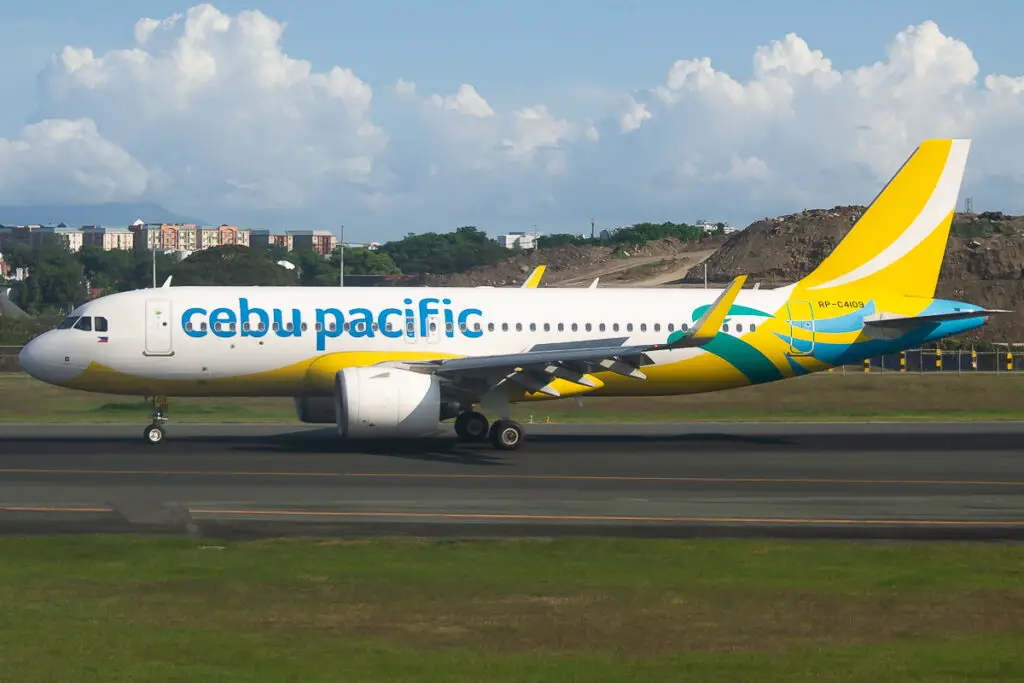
column 231, row 265
column 451, row 252
column 360, row 261
column 55, row 279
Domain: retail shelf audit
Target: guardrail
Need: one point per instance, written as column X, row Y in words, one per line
column 915, row 361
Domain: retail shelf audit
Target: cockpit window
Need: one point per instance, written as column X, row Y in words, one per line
column 101, row 324
column 68, row 322
column 84, row 323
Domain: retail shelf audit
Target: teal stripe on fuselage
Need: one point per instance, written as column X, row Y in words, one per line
column 754, row 365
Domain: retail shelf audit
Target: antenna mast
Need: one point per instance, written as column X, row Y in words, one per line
column 341, row 259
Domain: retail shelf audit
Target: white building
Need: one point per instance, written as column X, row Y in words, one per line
column 522, row 240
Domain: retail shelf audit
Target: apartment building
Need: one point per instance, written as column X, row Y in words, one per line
column 265, row 238
column 320, row 241
column 107, row 238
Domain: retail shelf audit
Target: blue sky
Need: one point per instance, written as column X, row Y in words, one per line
column 577, row 58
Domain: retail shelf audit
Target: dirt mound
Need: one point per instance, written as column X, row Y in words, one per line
column 984, row 261
column 577, row 265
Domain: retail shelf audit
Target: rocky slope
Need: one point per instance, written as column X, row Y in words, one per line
column 984, row 261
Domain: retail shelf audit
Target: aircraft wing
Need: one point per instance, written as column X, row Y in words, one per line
column 892, row 325
column 535, row 369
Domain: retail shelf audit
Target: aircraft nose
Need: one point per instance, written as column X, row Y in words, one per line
column 45, row 359
column 28, row 358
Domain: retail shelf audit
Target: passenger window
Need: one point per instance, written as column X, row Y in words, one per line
column 671, row 326
column 519, row 327
column 533, row 327
column 504, row 327
column 588, row 327
column 725, row 327
column 657, row 327
column 490, row 327
column 245, row 327
column 739, row 327
column 684, row 327
column 753, row 327
column 449, row 327
column 320, row 327
column 476, row 327
column 202, row 326
column 547, row 327
column 561, row 327
column 615, row 326
column 643, row 327
column 629, row 327
column 101, row 324
column 462, row 327
column 263, row 326
column 575, row 327
column 305, row 326
column 601, row 327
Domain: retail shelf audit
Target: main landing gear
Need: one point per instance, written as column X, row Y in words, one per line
column 505, row 435
column 154, row 433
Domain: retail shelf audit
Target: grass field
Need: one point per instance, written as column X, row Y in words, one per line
column 827, row 396
column 123, row 609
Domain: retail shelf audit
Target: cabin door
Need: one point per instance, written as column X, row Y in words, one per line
column 158, row 328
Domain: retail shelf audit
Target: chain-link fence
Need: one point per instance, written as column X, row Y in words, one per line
column 1009, row 359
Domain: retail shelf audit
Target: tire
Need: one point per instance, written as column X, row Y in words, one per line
column 472, row 426
column 154, row 435
column 506, row 435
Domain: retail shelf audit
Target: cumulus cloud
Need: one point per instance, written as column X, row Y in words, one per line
column 208, row 113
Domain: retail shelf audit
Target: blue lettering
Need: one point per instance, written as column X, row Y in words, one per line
column 449, row 324
column 254, row 321
column 382, row 323
column 410, row 329
column 463, row 317
column 245, row 316
column 322, row 331
column 221, row 320
column 296, row 323
column 364, row 327
column 186, row 320
column 426, row 310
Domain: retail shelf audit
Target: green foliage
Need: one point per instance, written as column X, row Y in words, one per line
column 55, row 278
column 232, row 265
column 634, row 235
column 440, row 254
column 20, row 331
column 366, row 262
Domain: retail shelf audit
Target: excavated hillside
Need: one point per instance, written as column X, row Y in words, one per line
column 984, row 261
column 655, row 263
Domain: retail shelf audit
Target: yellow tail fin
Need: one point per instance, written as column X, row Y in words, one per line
column 899, row 243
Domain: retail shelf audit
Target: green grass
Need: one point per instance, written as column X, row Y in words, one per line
column 826, row 396
column 124, row 609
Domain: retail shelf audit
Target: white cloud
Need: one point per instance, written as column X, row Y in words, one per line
column 207, row 113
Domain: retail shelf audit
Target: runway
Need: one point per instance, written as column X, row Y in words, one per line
column 679, row 480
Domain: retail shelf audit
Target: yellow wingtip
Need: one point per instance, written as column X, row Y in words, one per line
column 533, row 281
column 714, row 317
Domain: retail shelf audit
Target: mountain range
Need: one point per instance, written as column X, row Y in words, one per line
column 75, row 215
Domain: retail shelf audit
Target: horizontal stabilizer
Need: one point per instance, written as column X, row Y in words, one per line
column 890, row 325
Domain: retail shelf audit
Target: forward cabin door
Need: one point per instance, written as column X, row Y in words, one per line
column 158, row 328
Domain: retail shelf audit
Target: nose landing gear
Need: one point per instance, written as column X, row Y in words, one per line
column 154, row 433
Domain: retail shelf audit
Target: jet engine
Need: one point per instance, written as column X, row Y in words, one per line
column 381, row 402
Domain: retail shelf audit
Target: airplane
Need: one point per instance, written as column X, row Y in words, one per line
column 395, row 363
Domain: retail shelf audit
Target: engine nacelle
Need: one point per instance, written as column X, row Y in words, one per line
column 315, row 410
column 380, row 402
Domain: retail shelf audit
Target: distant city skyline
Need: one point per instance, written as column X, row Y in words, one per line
column 394, row 116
